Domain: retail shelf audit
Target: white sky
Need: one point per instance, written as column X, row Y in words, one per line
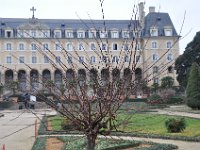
column 113, row 9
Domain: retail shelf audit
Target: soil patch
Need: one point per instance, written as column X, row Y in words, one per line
column 49, row 125
column 53, row 144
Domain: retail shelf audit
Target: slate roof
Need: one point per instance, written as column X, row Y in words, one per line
column 160, row 20
column 70, row 23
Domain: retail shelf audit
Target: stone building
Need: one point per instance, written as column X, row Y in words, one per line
column 33, row 51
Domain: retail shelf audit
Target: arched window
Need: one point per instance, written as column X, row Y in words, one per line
column 126, row 59
column 92, row 46
column 169, row 57
column 69, row 46
column 155, row 57
column 115, row 59
column 154, row 45
column 92, row 59
column 169, row 44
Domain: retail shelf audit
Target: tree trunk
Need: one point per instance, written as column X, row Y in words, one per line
column 91, row 142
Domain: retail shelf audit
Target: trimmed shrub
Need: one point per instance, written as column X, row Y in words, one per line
column 154, row 99
column 175, row 125
column 136, row 100
column 176, row 100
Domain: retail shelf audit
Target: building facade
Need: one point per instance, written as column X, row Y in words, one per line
column 33, row 50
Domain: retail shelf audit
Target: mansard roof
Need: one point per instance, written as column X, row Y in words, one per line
column 160, row 21
column 69, row 23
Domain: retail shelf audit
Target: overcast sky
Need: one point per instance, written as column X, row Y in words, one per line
column 114, row 9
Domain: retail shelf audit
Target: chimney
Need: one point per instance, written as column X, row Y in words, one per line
column 151, row 9
column 141, row 13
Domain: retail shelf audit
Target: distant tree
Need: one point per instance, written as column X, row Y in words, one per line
column 154, row 87
column 184, row 61
column 193, row 87
column 167, row 82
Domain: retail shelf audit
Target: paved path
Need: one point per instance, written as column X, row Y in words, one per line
column 17, row 129
column 177, row 113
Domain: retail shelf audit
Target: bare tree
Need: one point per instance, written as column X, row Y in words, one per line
column 91, row 98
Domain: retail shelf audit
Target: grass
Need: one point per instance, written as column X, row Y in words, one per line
column 146, row 123
column 155, row 124
column 56, row 122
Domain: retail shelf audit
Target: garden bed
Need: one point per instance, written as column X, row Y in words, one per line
column 72, row 143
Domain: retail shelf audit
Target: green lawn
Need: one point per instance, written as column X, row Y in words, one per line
column 146, row 123
column 155, row 124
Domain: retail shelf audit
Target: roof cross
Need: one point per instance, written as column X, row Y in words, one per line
column 33, row 10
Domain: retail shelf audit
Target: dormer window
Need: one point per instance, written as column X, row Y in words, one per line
column 9, row 33
column 125, row 34
column 69, row 34
column 168, row 30
column 114, row 34
column 57, row 34
column 81, row 34
column 103, row 34
column 154, row 31
column 33, row 33
column 92, row 34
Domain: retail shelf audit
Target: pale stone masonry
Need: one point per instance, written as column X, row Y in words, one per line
column 33, row 50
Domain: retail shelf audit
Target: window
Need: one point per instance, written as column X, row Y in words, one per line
column 170, row 69
column 21, row 46
column 155, row 80
column 33, row 33
column 168, row 32
column 154, row 44
column 104, row 46
column 8, row 59
column 115, row 59
column 57, row 34
column 103, row 34
column 58, row 59
column 33, row 46
column 92, row 34
column 115, row 46
column 137, row 59
column 126, row 59
column 153, row 32
column 80, row 35
column 34, row 59
column 45, row 46
column 8, row 34
column 58, row 47
column 92, row 46
column 21, row 59
column 81, row 59
column 126, row 47
column 155, row 57
column 138, row 46
column 20, row 33
column 69, row 34
column 92, row 59
column 114, row 34
column 104, row 59
column 80, row 46
column 155, row 69
column 125, row 34
column 8, row 46
column 69, row 60
column 46, row 34
column 46, row 59
column 69, row 46
column 169, row 57
column 169, row 44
